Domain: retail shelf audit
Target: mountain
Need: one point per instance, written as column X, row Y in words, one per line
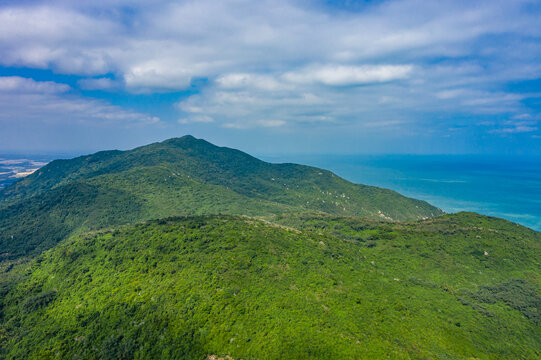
column 294, row 286
column 185, row 250
column 180, row 176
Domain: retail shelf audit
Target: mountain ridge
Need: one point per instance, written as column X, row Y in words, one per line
column 458, row 286
column 84, row 167
column 179, row 176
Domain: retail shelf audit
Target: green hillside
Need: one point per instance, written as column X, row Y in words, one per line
column 182, row 176
column 186, row 250
column 314, row 286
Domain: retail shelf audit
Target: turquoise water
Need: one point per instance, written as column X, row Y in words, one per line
column 505, row 187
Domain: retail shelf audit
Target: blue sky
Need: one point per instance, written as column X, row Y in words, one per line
column 270, row 77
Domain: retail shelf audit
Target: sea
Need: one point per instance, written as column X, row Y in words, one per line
column 502, row 186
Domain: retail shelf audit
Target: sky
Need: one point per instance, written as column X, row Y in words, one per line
column 272, row 77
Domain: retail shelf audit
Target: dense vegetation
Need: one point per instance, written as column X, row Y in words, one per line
column 184, row 176
column 185, row 250
column 314, row 286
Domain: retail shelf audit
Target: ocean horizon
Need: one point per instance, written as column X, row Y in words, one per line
column 503, row 186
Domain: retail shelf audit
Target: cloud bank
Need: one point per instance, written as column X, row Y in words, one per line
column 24, row 100
column 406, row 66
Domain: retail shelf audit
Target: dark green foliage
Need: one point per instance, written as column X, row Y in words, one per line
column 38, row 301
column 516, row 293
column 117, row 347
column 28, row 227
column 308, row 288
column 184, row 176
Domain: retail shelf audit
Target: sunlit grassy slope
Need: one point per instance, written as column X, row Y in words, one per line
column 181, row 176
column 304, row 286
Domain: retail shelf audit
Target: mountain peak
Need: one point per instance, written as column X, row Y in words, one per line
column 181, row 176
column 184, row 138
column 188, row 142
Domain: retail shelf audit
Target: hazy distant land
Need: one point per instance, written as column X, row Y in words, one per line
column 12, row 168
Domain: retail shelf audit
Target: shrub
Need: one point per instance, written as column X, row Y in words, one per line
column 38, row 301
column 518, row 294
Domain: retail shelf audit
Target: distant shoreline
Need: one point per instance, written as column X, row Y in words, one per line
column 13, row 169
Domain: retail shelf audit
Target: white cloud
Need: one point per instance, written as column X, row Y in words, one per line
column 339, row 75
column 481, row 101
column 196, row 119
column 516, row 129
column 450, row 94
column 158, row 74
column 17, row 84
column 271, row 123
column 24, row 99
column 56, row 37
column 165, row 46
column 257, row 123
column 243, row 80
column 279, row 63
